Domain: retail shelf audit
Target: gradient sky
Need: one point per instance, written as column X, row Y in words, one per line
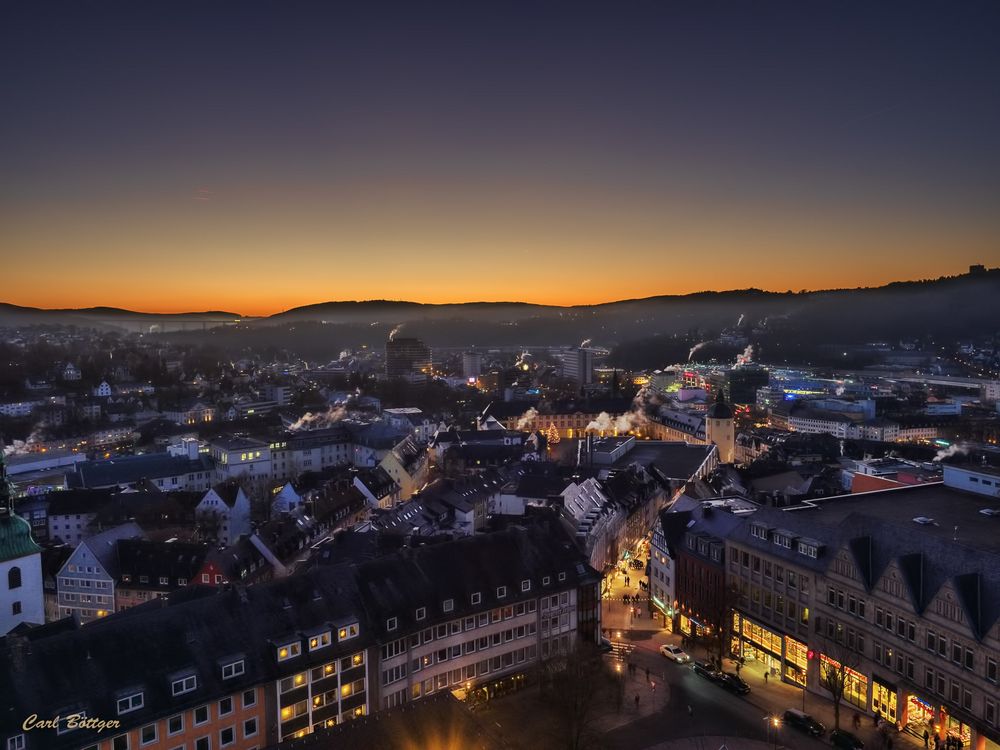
column 169, row 156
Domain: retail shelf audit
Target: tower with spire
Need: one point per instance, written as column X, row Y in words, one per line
column 22, row 598
column 721, row 429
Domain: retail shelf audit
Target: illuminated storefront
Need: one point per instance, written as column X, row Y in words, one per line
column 757, row 643
column 666, row 610
column 855, row 683
column 919, row 715
column 884, row 699
column 796, row 661
column 956, row 728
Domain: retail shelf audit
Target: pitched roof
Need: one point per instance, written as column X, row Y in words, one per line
column 131, row 469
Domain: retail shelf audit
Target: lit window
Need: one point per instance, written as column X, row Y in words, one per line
column 289, row 651
column 319, row 641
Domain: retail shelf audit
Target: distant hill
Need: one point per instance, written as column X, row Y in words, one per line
column 949, row 308
column 110, row 317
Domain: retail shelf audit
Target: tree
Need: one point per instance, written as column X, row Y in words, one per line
column 835, row 668
column 578, row 687
column 552, row 435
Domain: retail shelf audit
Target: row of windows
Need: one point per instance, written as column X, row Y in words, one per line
column 287, row 684
column 321, row 640
column 448, row 605
column 475, row 644
column 454, row 627
column 457, row 677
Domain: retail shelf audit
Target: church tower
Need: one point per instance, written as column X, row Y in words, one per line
column 22, row 598
column 720, row 428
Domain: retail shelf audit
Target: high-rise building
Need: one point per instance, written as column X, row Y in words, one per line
column 472, row 365
column 578, row 365
column 739, row 385
column 407, row 358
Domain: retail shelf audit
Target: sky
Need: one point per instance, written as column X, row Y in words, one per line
column 255, row 156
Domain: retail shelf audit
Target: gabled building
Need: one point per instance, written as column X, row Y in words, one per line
column 223, row 514
column 86, row 583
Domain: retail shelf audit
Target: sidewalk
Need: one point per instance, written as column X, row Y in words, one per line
column 773, row 697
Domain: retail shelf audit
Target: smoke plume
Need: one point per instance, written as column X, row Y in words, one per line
column 393, row 333
column 21, row 447
column 634, row 420
column 526, row 420
column 951, row 450
column 695, row 348
column 585, row 343
column 746, row 357
column 318, row 421
column 740, row 320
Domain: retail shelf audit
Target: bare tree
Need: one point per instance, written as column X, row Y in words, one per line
column 835, row 667
column 578, row 687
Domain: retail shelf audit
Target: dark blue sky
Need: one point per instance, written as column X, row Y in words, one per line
column 797, row 145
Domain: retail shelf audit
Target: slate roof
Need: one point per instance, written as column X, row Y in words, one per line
column 397, row 585
column 104, row 546
column 71, row 502
column 131, row 469
column 155, row 560
column 194, row 630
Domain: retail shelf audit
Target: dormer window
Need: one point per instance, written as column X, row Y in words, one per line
column 164, row 581
column 289, row 651
column 808, row 549
column 525, row 585
column 184, row 685
column 233, row 669
column 320, row 641
column 759, row 531
column 562, row 576
column 421, row 613
column 546, row 580
column 448, row 605
column 347, row 632
column 477, row 598
column 131, row 702
column 501, row 592
column 391, row 624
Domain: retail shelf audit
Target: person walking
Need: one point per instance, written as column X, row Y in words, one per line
column 765, row 677
column 927, row 738
column 690, row 711
column 647, row 674
column 636, row 701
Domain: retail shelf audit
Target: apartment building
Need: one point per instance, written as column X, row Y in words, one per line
column 899, row 587
column 243, row 668
column 478, row 613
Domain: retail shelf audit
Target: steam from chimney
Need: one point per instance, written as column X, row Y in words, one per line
column 634, row 420
column 746, row 357
column 318, row 421
column 21, row 447
column 695, row 348
column 951, row 450
column 395, row 331
column 585, row 343
column 526, row 420
column 840, row 390
column 740, row 320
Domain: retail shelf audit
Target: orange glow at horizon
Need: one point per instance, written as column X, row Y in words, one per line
column 240, row 254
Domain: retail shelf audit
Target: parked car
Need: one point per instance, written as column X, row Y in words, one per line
column 733, row 683
column 675, row 653
column 803, row 722
column 845, row 740
column 706, row 670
